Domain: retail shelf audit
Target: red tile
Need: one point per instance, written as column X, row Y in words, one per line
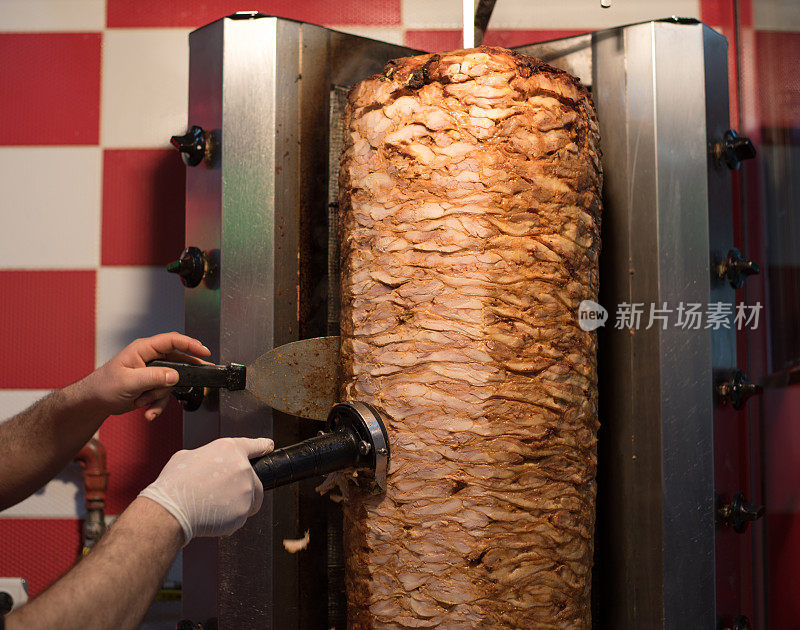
column 433, row 40
column 191, row 13
column 137, row 451
column 778, row 85
column 720, row 13
column 441, row 40
column 50, row 84
column 143, row 206
column 39, row 550
column 510, row 38
column 47, row 325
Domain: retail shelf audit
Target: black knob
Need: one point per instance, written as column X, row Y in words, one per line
column 733, row 149
column 737, row 390
column 192, row 145
column 736, row 268
column 6, row 603
column 738, row 513
column 191, row 266
column 741, row 623
column 190, row 397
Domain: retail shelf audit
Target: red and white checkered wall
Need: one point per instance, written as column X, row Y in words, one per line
column 92, row 197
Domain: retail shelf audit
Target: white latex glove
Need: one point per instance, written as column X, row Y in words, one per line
column 213, row 489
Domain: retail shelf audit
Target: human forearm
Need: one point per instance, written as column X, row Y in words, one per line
column 113, row 586
column 38, row 442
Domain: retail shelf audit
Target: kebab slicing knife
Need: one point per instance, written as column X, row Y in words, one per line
column 297, row 378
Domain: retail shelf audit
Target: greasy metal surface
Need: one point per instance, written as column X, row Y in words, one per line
column 262, row 86
column 338, row 99
column 298, row 378
column 655, row 541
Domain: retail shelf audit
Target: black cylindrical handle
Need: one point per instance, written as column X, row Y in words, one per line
column 316, row 456
column 232, row 376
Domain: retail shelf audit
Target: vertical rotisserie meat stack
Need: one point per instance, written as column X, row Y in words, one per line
column 470, row 214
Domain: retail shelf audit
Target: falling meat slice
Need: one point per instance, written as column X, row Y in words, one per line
column 293, row 545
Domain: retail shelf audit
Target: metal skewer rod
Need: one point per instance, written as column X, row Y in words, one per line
column 468, row 23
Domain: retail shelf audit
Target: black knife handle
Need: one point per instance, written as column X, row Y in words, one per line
column 316, row 456
column 232, row 376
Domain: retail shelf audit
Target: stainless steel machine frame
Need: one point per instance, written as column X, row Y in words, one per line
column 661, row 93
column 261, row 88
column 264, row 88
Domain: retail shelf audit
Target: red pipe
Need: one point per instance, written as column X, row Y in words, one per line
column 92, row 458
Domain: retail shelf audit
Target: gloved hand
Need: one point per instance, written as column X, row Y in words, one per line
column 213, row 489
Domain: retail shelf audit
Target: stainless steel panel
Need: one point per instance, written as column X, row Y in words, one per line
column 263, row 84
column 203, row 193
column 655, row 531
column 657, row 495
column 735, row 564
column 251, row 319
column 687, row 392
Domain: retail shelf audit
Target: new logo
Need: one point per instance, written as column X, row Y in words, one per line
column 591, row 315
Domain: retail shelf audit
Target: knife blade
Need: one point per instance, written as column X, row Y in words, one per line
column 298, row 378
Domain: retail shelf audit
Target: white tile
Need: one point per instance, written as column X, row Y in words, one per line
column 50, row 207
column 145, row 86
column 390, row 35
column 776, row 15
column 547, row 14
column 52, row 15
column 12, row 401
column 438, row 14
column 135, row 302
column 63, row 497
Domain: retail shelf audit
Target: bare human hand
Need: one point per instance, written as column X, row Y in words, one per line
column 125, row 383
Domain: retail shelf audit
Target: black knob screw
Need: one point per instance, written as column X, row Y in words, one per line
column 193, row 145
column 733, row 149
column 737, row 390
column 191, row 398
column 738, row 513
column 742, row 623
column 191, row 266
column 736, row 268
